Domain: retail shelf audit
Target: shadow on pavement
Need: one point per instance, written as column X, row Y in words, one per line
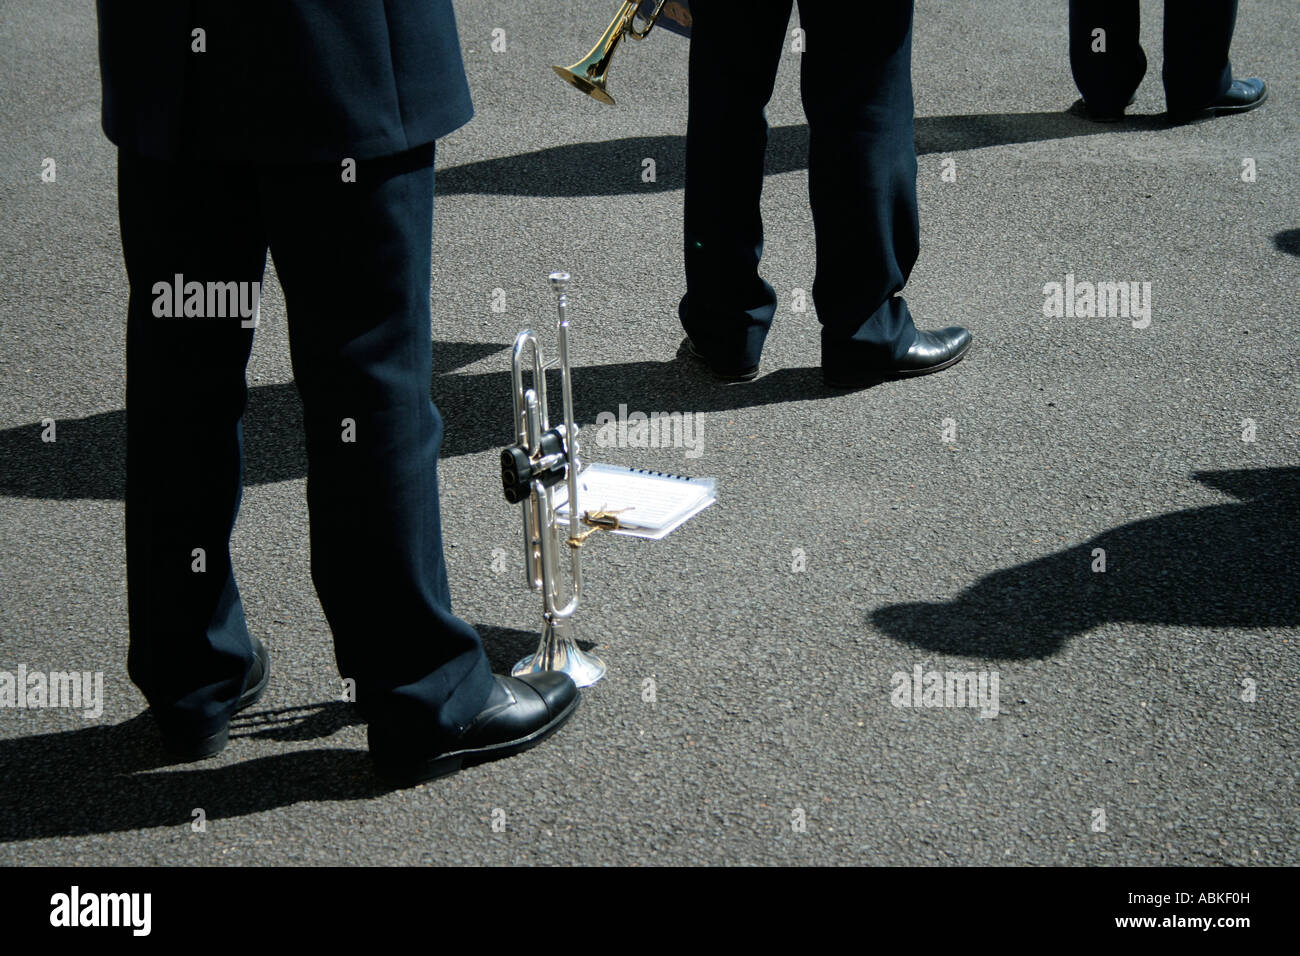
column 506, row 646
column 107, row 779
column 310, row 722
column 1288, row 241
column 88, row 459
column 1229, row 565
column 613, row 167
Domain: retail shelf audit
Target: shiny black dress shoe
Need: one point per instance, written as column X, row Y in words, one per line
column 722, row 374
column 519, row 714
column 1242, row 96
column 186, row 746
column 931, row 352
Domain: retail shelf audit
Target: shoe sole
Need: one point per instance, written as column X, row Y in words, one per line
column 408, row 775
column 895, row 376
column 213, row 744
column 748, row 375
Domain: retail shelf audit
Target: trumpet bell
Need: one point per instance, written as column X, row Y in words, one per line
column 593, row 87
column 591, row 72
column 559, row 651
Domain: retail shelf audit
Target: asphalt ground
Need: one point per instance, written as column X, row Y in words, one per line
column 1146, row 713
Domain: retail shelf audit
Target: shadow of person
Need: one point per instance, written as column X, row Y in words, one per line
column 88, row 458
column 478, row 411
column 307, row 722
column 1228, row 565
column 107, row 779
column 111, row 778
column 1288, row 241
column 612, row 167
column 87, row 461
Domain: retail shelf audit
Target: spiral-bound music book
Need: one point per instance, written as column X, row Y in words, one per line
column 648, row 504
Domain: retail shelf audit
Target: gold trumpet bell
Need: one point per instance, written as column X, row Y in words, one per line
column 586, row 77
column 591, row 73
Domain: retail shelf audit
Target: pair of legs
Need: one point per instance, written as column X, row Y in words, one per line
column 354, row 261
column 857, row 95
column 1197, row 35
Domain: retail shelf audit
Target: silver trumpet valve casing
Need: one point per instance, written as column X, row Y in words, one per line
column 542, row 457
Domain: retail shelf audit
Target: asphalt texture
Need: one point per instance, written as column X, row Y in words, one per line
column 1146, row 713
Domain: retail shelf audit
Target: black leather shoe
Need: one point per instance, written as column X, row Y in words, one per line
column 1242, row 96
column 931, row 352
column 519, row 714
column 183, row 746
column 688, row 350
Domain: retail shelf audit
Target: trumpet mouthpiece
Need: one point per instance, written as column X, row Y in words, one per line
column 559, row 282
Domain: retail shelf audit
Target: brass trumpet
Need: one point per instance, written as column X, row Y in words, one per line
column 541, row 458
column 591, row 73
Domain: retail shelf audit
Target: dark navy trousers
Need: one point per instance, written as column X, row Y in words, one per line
column 354, row 263
column 857, row 96
column 1197, row 35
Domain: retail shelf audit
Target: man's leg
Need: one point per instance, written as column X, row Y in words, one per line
column 734, row 55
column 354, row 261
column 190, row 651
column 861, row 181
column 1198, row 34
column 1108, row 65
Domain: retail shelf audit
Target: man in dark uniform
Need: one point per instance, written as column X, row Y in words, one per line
column 1108, row 61
column 856, row 83
column 305, row 127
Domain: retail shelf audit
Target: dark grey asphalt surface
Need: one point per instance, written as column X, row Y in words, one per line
column 1119, row 691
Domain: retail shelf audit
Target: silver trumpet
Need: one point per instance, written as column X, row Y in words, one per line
column 542, row 457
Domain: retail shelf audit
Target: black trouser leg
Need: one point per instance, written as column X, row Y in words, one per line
column 1108, row 67
column 728, row 307
column 190, row 651
column 354, row 261
column 1198, row 34
column 861, row 180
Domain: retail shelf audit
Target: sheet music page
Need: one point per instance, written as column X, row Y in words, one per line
column 651, row 500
